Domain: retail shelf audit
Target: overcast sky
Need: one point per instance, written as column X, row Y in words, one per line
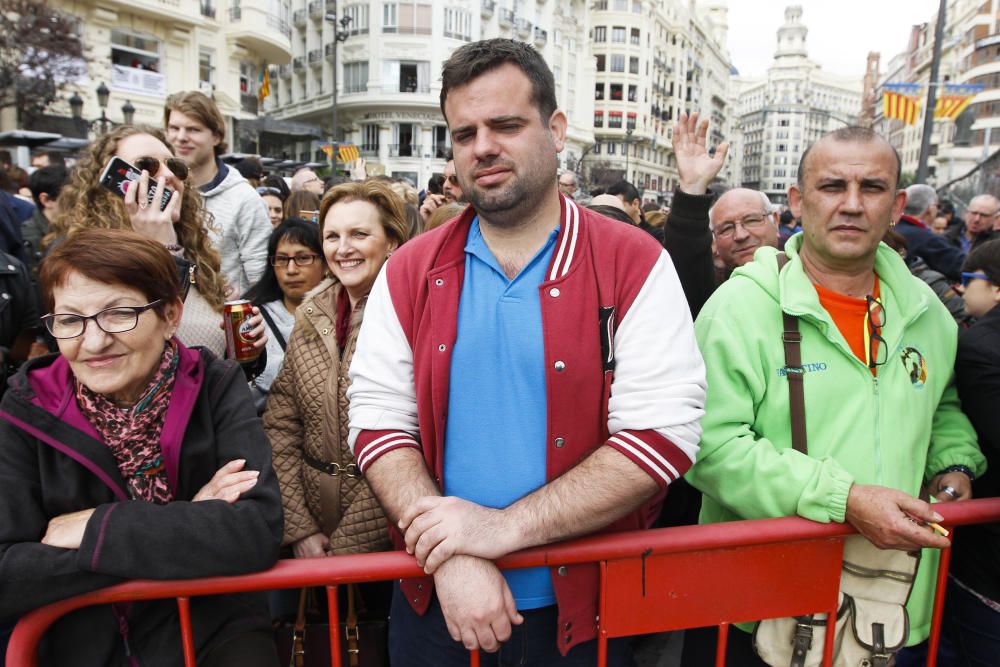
column 841, row 32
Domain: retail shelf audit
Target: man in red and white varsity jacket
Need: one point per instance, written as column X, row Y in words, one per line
column 624, row 381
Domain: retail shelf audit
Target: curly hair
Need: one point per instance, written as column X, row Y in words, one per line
column 85, row 204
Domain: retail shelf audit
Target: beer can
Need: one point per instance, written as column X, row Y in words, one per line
column 239, row 344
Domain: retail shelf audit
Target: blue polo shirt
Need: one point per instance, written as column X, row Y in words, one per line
column 494, row 448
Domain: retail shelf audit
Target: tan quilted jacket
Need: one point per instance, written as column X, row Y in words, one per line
column 307, row 410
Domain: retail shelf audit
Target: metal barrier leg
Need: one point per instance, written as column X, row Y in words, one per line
column 942, row 585
column 831, row 629
column 602, row 614
column 720, row 646
column 334, row 615
column 187, row 636
column 474, row 658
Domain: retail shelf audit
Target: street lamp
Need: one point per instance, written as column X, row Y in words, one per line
column 103, row 94
column 339, row 35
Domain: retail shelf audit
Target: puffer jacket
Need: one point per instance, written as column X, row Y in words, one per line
column 307, row 413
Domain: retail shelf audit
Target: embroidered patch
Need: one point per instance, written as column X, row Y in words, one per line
column 916, row 367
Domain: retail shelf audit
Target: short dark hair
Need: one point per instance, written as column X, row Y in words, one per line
column 277, row 182
column 47, row 180
column 473, row 60
column 624, row 189
column 985, row 258
column 293, row 230
column 435, row 184
column 852, row 134
column 113, row 257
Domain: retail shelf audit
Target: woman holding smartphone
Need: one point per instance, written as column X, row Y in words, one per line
column 181, row 225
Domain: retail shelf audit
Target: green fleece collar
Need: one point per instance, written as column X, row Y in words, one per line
column 900, row 292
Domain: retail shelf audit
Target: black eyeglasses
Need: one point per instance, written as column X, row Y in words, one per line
column 300, row 260
column 151, row 164
column 878, row 351
column 110, row 320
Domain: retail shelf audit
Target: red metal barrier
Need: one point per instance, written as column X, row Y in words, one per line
column 651, row 581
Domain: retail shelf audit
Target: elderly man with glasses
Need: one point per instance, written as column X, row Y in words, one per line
column 982, row 224
column 742, row 221
column 882, row 418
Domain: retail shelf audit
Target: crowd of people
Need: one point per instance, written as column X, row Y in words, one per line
column 496, row 362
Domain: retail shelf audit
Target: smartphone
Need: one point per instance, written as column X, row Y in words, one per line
column 119, row 172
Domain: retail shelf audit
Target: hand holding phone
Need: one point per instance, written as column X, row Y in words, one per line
column 119, row 174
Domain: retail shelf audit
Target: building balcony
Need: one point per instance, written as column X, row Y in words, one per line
column 316, row 57
column 285, row 71
column 299, row 18
column 298, row 63
column 316, row 10
column 179, row 12
column 368, row 150
column 328, row 50
column 523, row 27
column 253, row 25
column 402, row 87
column 541, row 37
column 404, row 150
column 487, row 8
column 208, row 9
column 506, row 17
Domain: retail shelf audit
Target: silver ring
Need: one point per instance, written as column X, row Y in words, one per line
column 950, row 491
column 143, row 205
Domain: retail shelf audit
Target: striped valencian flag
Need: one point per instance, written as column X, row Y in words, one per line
column 900, row 107
column 954, row 98
column 348, row 153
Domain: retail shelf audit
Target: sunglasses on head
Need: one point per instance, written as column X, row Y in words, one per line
column 151, row 164
column 265, row 190
column 967, row 276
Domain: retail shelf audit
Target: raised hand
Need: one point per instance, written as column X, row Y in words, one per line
column 695, row 167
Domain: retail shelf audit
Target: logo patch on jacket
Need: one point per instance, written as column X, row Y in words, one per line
column 806, row 368
column 916, row 367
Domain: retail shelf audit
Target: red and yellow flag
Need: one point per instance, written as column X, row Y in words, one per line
column 348, row 153
column 900, row 107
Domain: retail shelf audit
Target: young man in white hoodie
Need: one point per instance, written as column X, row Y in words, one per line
column 241, row 226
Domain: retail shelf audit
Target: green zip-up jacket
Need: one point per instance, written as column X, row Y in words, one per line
column 897, row 430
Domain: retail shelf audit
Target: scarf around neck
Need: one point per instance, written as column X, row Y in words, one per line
column 133, row 433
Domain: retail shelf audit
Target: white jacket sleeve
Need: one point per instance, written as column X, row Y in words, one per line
column 383, row 400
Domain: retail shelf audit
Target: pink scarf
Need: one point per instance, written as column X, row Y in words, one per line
column 133, row 434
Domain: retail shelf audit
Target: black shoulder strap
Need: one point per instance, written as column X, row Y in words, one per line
column 792, row 340
column 274, row 329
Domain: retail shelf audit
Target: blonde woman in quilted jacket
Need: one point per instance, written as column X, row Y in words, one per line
column 328, row 506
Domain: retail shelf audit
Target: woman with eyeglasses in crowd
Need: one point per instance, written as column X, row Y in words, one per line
column 329, row 508
column 181, row 227
column 129, row 455
column 295, row 266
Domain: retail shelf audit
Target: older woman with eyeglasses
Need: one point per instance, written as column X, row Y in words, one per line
column 129, row 455
column 329, row 508
column 181, row 226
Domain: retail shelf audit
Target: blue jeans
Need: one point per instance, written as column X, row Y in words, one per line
column 423, row 641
